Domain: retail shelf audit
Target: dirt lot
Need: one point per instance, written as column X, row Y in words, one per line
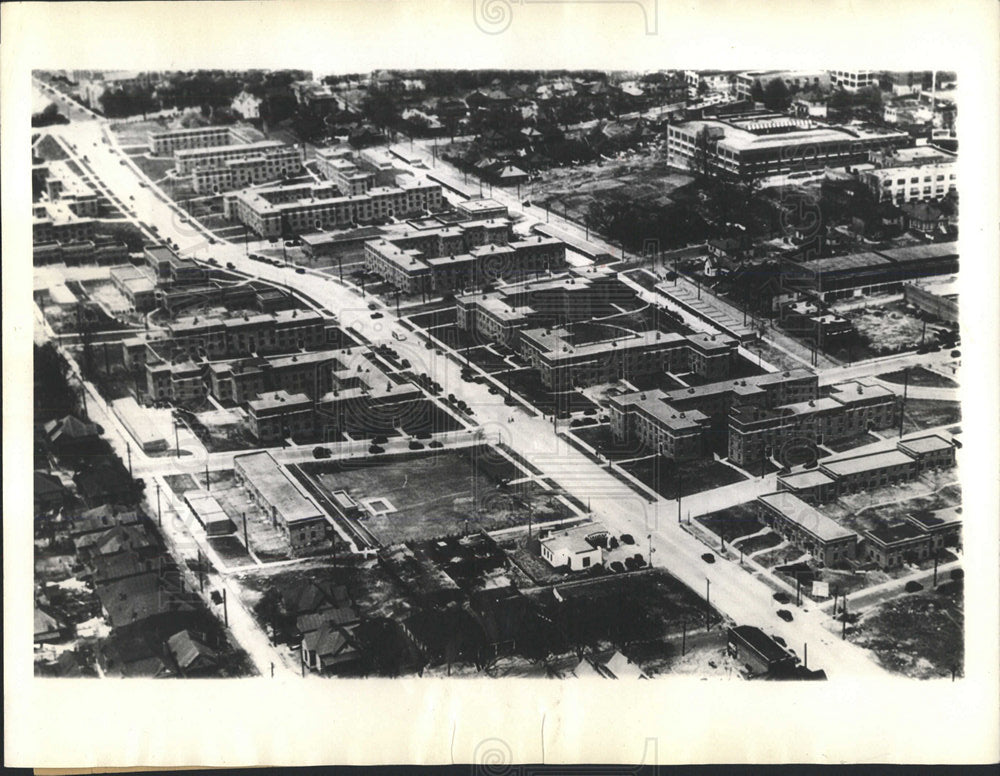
column 866, row 510
column 643, row 174
column 153, row 167
column 919, row 635
column 444, row 494
column 887, row 329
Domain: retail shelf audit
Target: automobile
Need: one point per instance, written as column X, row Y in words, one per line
column 638, row 560
column 299, row 271
column 494, row 390
column 785, row 615
column 212, row 241
column 154, row 229
column 143, row 184
column 376, row 315
column 375, row 450
column 509, row 401
column 435, row 444
column 956, row 353
column 708, row 557
column 213, row 262
column 121, row 161
column 591, row 411
column 526, row 203
column 628, row 539
column 913, row 586
column 293, row 243
column 782, row 597
column 423, row 435
column 617, row 566
column 780, row 641
column 415, row 445
column 321, row 452
column 230, row 265
column 380, row 440
column 631, row 564
column 372, row 306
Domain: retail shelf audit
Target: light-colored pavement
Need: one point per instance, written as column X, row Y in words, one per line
column 734, row 592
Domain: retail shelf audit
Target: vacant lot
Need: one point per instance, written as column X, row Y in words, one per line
column 602, row 440
column 887, row 329
column 440, row 494
column 733, row 522
column 919, row 376
column 153, row 167
column 642, row 175
column 665, row 476
column 920, row 635
column 930, row 413
column 864, row 511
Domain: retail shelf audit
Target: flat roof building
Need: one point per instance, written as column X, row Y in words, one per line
column 807, row 528
column 281, row 500
column 577, row 548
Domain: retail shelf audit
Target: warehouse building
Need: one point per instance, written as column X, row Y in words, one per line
column 276, row 494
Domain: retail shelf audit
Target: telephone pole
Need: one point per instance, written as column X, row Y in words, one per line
column 902, row 406
column 708, row 602
column 159, row 516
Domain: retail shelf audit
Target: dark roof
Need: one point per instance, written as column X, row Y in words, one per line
column 187, row 650
column 70, row 429
column 769, row 649
column 307, row 623
column 104, row 482
column 331, row 641
column 48, row 485
column 136, row 598
column 312, row 596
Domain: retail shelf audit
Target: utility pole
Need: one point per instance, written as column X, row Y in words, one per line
column 208, row 481
column 201, row 573
column 159, row 515
column 902, row 406
column 708, row 602
column 246, row 538
column 225, row 607
column 935, row 567
column 177, row 444
column 650, row 538
column 128, row 448
column 805, row 654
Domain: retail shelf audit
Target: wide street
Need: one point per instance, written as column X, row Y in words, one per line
column 736, row 593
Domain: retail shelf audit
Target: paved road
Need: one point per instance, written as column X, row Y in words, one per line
column 734, row 592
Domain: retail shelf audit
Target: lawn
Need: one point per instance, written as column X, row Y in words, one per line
column 441, row 493
column 918, row 376
column 930, row 413
column 662, row 475
column 662, row 380
column 434, row 318
column 851, row 442
column 733, row 522
column 919, row 635
column 601, row 439
column 764, row 541
column 153, row 167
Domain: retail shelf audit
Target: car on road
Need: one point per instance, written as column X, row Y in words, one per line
column 230, row 265
column 782, row 598
column 380, row 440
column 435, row 444
column 375, row 450
column 321, row 452
column 423, row 435
column 299, row 271
column 143, row 184
column 956, row 353
column 494, row 390
column 628, row 539
column 376, row 315
column 708, row 557
column 415, row 445
column 372, row 306
column 212, row 241
column 616, row 566
column 785, row 615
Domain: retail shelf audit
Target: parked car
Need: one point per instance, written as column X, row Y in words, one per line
column 708, row 557
column 435, row 444
column 415, row 445
column 376, row 315
column 376, row 450
column 300, row 271
column 423, row 435
column 380, row 440
column 782, row 598
column 230, row 265
column 628, row 539
column 785, row 615
column 372, row 306
column 321, row 452
column 617, row 566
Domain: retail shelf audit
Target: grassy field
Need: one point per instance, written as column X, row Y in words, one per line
column 663, row 475
column 733, row 522
column 153, row 167
column 601, row 438
column 929, row 413
column 920, row 377
column 443, row 494
column 918, row 635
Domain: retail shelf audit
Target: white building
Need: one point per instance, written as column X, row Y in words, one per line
column 247, row 105
column 919, row 174
column 577, row 547
column 852, row 80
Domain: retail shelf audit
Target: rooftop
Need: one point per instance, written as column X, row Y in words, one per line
column 807, row 517
column 864, row 463
column 574, row 540
column 896, row 532
column 279, row 400
column 938, row 517
column 925, row 444
column 278, row 489
column 806, row 479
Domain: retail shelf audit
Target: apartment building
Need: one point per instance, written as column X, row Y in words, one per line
column 771, row 144
column 238, row 171
column 62, row 184
column 136, row 285
column 648, row 418
column 837, row 476
column 283, row 210
column 168, row 142
column 853, row 80
column 337, row 166
column 58, row 222
column 279, row 414
column 808, row 529
column 178, row 382
column 851, row 409
column 190, row 159
column 920, row 174
column 565, row 359
column 412, row 271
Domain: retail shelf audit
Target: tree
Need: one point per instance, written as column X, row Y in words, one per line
column 701, row 161
column 49, row 115
column 776, row 96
